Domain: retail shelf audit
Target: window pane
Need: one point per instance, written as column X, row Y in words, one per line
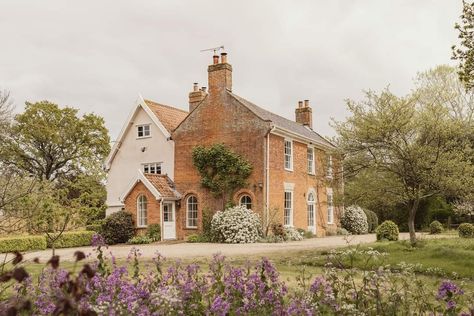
column 140, row 131
column 158, row 168
column 288, row 213
column 192, row 211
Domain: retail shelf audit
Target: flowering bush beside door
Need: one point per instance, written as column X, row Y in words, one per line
column 354, row 220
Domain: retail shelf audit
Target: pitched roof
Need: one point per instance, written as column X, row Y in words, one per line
column 169, row 116
column 283, row 123
column 164, row 185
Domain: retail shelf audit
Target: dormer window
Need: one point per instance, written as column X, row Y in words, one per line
column 143, row 131
column 153, row 168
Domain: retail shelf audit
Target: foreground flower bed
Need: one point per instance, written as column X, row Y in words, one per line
column 104, row 288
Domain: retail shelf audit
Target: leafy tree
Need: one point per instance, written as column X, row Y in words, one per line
column 52, row 212
column 222, row 171
column 415, row 149
column 465, row 51
column 51, row 143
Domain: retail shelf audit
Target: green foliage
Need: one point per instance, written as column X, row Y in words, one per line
column 466, row 230
column 221, row 170
column 118, row 228
column 139, row 240
column 22, row 243
column 388, row 230
column 436, row 228
column 407, row 149
column 342, row 232
column 96, row 226
column 154, row 232
column 278, row 230
column 308, row 234
column 465, row 51
column 207, row 233
column 372, row 220
column 50, row 142
column 194, row 238
column 73, row 239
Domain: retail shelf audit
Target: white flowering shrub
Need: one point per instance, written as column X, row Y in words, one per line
column 354, row 220
column 292, row 233
column 236, row 225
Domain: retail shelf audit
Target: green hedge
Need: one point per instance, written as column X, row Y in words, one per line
column 73, row 239
column 22, row 243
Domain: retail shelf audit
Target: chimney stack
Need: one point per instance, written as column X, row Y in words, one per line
column 220, row 75
column 196, row 96
column 304, row 114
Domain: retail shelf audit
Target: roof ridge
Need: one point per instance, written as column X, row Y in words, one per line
column 165, row 105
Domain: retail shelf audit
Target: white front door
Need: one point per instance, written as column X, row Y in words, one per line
column 169, row 221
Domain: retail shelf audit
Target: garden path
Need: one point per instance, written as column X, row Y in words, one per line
column 206, row 250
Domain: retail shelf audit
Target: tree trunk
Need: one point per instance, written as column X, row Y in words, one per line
column 411, row 221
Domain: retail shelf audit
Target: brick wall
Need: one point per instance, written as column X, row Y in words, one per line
column 153, row 206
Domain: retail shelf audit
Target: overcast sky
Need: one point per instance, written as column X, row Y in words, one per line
column 99, row 55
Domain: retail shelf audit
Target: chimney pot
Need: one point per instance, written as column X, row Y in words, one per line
column 223, row 58
column 195, row 86
column 215, row 59
column 300, row 104
column 203, row 89
column 306, row 103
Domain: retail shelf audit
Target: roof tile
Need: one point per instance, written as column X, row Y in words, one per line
column 169, row 116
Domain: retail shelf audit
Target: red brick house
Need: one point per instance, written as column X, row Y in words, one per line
column 291, row 182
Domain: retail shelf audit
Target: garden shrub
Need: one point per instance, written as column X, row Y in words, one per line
column 73, row 239
column 118, row 228
column 342, row 232
column 293, row 234
column 308, row 234
column 22, row 243
column 436, row 228
column 197, row 238
column 236, row 225
column 388, row 230
column 372, row 220
column 154, row 232
column 96, row 226
column 354, row 220
column 138, row 240
column 466, row 230
column 278, row 230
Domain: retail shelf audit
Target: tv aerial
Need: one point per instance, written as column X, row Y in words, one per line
column 215, row 49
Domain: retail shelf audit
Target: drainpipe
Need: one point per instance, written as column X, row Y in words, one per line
column 161, row 219
column 267, row 176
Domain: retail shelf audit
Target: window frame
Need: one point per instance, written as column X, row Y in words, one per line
column 245, row 203
column 142, row 211
column 313, row 160
column 156, row 166
column 330, row 167
column 311, row 204
column 288, row 223
column 143, row 127
column 290, row 155
column 330, row 205
column 193, row 211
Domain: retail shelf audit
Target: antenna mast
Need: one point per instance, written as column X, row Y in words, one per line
column 215, row 49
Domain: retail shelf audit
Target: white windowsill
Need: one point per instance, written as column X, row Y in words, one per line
column 142, row 226
column 143, row 137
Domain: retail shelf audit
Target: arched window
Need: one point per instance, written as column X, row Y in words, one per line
column 246, row 200
column 191, row 212
column 311, row 214
column 142, row 211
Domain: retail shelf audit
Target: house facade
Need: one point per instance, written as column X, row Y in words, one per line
column 291, row 182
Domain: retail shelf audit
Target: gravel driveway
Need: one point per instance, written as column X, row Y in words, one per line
column 196, row 250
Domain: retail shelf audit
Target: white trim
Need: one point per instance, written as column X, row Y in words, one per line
column 140, row 178
column 286, row 133
column 313, row 163
column 187, row 211
column 291, row 154
column 329, row 192
column 138, row 211
column 292, row 210
column 140, row 103
column 314, row 203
